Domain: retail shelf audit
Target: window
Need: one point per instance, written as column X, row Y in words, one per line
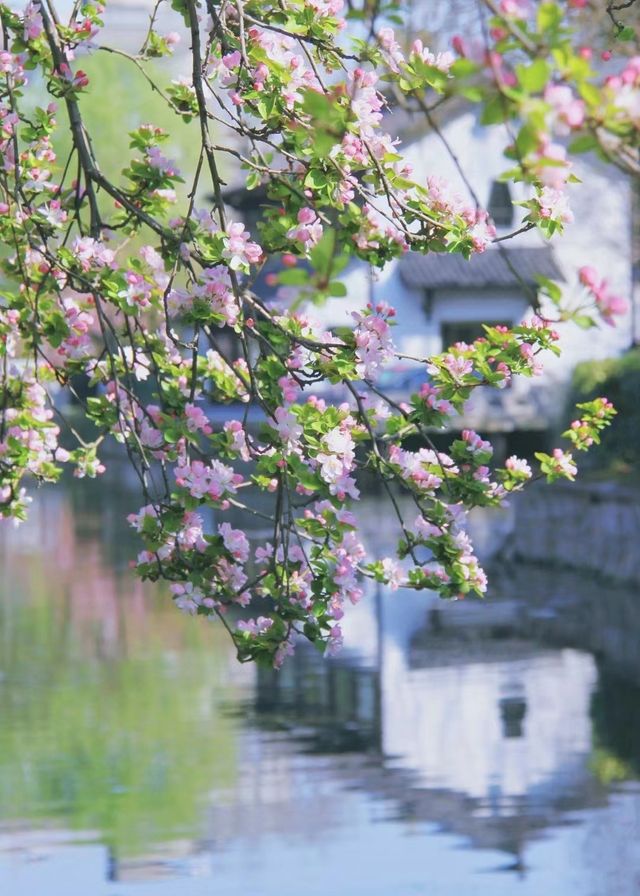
column 500, row 205
column 467, row 330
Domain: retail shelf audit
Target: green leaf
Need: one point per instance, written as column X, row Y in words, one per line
column 494, row 111
column 583, row 143
column 549, row 17
column 461, row 68
column 584, row 321
column 550, row 289
column 527, row 140
column 253, row 180
column 316, row 179
column 338, row 289
column 589, row 93
column 473, row 94
column 318, row 105
column 533, row 78
column 293, row 277
column 626, row 33
column 323, row 252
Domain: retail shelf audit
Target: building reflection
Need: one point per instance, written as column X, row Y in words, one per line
column 489, row 738
column 124, row 717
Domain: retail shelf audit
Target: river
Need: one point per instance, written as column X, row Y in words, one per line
column 448, row 750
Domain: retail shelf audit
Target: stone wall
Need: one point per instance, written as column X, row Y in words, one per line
column 593, row 527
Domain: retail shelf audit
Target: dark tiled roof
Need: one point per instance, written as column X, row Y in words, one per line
column 486, row 269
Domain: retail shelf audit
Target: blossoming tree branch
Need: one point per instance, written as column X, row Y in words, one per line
column 135, row 284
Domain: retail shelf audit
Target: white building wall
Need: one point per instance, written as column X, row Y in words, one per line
column 600, row 236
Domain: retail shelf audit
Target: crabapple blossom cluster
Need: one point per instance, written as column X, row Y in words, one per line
column 607, row 303
column 144, row 308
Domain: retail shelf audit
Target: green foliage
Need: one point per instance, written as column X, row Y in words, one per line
column 619, row 379
column 108, row 741
column 615, row 711
column 117, row 101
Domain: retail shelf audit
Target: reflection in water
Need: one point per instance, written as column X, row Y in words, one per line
column 615, row 710
column 449, row 732
column 132, row 746
column 110, row 715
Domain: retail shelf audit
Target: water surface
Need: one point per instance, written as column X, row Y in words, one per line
column 440, row 754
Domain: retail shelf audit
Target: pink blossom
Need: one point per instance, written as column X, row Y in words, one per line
column 215, row 287
column 137, row 520
column 336, row 460
column 527, row 352
column 457, row 366
column 77, row 344
column 33, row 25
column 288, row 429
column 506, row 374
column 172, row 39
column 326, row 7
column 167, row 195
column 13, row 65
column 589, row 277
column 475, row 444
column 609, row 305
column 240, row 251
column 425, row 529
column 482, row 230
column 201, row 480
column 235, row 541
column 138, row 291
column 187, row 597
column 234, row 578
column 285, row 649
column 255, row 626
column 393, row 574
column 239, row 440
column 518, row 466
column 557, row 173
column 90, row 252
column 335, row 641
column 442, row 61
column 430, row 395
column 196, row 419
column 366, row 102
column 554, row 205
column 290, row 388
column 77, row 80
column 54, row 213
column 393, row 50
column 150, row 435
column 374, row 345
column 515, row 9
column 308, row 230
column 563, row 463
column 232, row 60
column 264, row 552
column 161, row 163
column 416, row 467
column 568, row 112
column 191, row 533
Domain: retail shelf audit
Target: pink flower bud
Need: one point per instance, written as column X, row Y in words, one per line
column 588, row 276
column 306, row 216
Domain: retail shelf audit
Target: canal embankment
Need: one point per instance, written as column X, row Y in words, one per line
column 593, row 527
column 570, row 569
